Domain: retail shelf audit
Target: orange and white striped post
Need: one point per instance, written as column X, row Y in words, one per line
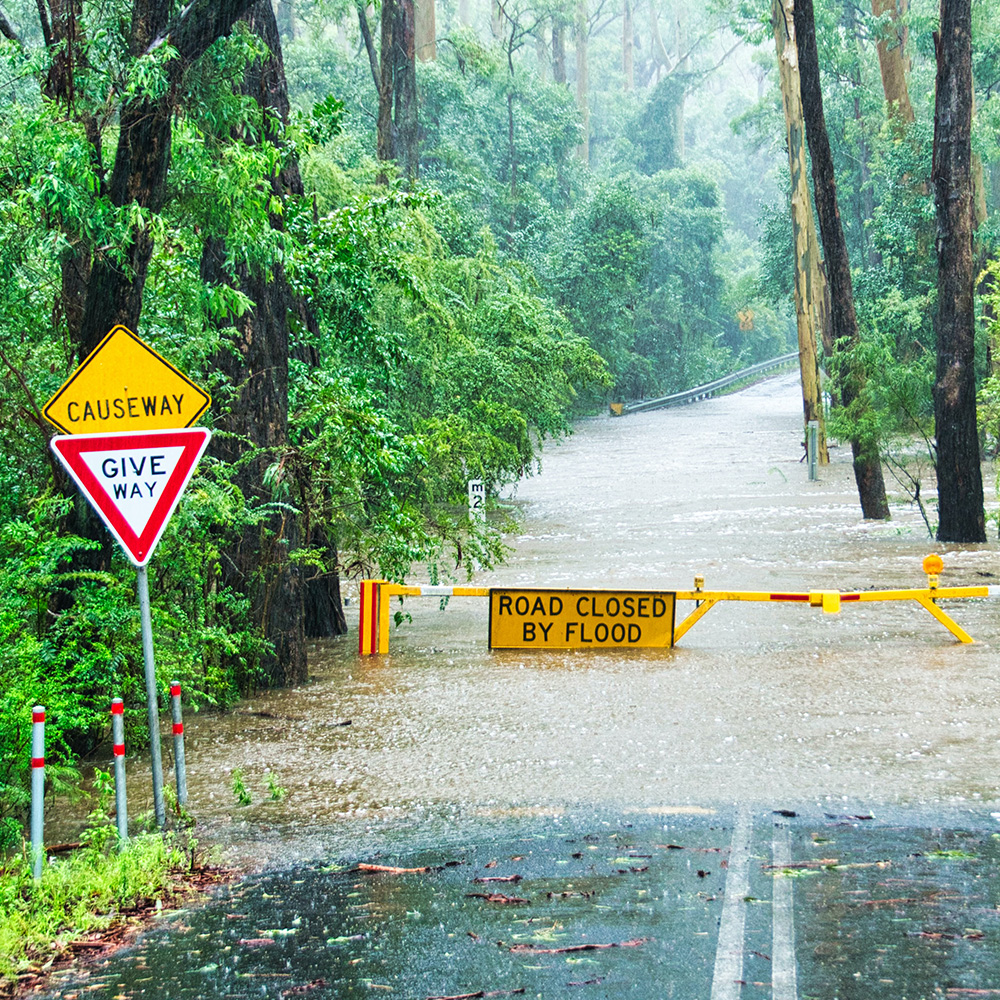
column 118, row 750
column 37, row 789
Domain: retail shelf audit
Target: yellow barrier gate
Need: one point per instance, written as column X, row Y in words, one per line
column 376, row 613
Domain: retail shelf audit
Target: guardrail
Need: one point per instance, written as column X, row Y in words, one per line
column 704, row 391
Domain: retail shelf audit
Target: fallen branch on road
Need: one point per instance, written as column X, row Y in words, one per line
column 535, row 950
column 480, row 993
column 496, row 897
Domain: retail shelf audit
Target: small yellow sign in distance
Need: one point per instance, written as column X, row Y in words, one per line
column 580, row 619
column 124, row 385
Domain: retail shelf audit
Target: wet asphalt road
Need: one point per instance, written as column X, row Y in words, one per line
column 714, row 905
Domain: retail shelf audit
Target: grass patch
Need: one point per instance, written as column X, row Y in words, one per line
column 87, row 891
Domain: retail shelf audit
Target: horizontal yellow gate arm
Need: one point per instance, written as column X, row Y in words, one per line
column 831, row 600
column 376, row 598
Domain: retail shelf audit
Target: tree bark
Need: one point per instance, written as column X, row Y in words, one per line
column 628, row 38
column 397, row 100
column 864, row 445
column 893, row 63
column 558, row 51
column 583, row 78
column 255, row 359
column 114, row 290
column 425, row 30
column 810, row 281
column 959, row 473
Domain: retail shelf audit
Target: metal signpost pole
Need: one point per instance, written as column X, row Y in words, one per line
column 152, row 705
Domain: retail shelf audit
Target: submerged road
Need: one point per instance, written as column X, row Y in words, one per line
column 788, row 804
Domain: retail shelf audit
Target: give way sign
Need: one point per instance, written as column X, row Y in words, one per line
column 133, row 480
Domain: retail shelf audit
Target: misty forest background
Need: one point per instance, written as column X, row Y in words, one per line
column 404, row 246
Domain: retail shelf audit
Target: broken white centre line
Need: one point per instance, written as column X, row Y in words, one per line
column 728, row 975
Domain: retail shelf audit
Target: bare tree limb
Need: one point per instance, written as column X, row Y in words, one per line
column 43, row 17
column 199, row 24
column 366, row 34
column 7, row 30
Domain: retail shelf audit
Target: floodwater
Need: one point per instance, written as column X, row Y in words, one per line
column 758, row 702
column 786, row 804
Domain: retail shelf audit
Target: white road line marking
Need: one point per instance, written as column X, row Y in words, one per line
column 726, row 981
column 784, row 981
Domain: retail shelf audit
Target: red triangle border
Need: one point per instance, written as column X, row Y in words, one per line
column 139, row 548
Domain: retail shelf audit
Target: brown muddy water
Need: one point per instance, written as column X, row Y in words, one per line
column 876, row 706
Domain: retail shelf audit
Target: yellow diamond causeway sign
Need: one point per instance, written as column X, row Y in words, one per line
column 580, row 619
column 124, row 385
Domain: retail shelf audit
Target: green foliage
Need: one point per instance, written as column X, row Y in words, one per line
column 658, row 126
column 82, row 892
column 275, row 789
column 240, row 791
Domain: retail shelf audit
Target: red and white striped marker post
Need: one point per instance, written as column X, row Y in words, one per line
column 179, row 767
column 118, row 746
column 37, row 788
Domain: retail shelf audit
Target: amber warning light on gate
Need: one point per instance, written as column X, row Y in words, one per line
column 580, row 619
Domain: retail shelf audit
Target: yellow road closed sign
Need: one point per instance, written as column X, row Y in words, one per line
column 580, row 619
column 124, row 385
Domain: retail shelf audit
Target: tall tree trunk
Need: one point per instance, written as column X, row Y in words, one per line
column 959, row 473
column 583, row 78
column 680, row 47
column 864, row 446
column 660, row 57
column 558, row 51
column 628, row 37
column 285, row 13
column 114, row 291
column 463, row 13
column 397, row 99
column 255, row 359
column 893, row 62
column 810, row 281
column 542, row 56
column 425, row 31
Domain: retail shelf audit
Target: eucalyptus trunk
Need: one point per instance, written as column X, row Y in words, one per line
column 844, row 323
column 254, row 358
column 959, row 473
column 583, row 79
column 810, row 281
column 893, row 62
column 425, row 30
column 396, row 125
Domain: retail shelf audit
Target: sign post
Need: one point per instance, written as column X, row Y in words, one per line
column 128, row 443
